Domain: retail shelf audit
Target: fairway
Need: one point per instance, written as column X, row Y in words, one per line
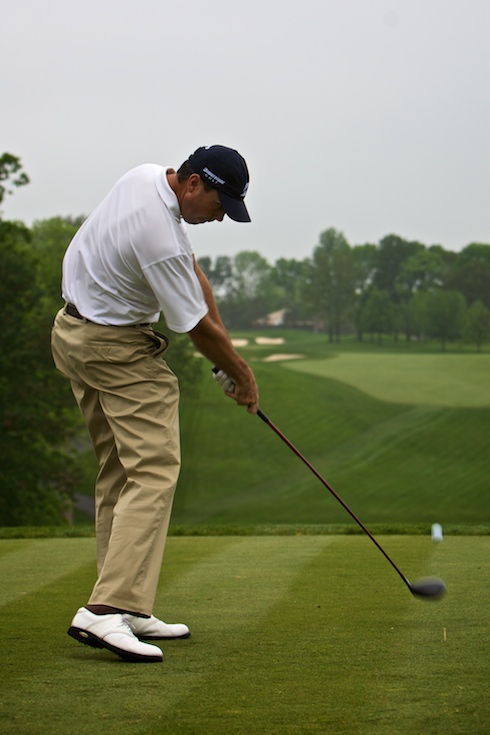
column 390, row 462
column 417, row 453
column 425, row 380
column 290, row 635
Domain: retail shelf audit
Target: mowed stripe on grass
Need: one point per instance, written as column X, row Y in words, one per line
column 291, row 635
column 222, row 587
column 27, row 566
column 428, row 380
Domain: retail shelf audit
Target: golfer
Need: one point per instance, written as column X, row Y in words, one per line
column 129, row 261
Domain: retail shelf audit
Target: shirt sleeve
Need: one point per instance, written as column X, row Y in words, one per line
column 179, row 293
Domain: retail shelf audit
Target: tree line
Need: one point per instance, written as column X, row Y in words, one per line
column 394, row 287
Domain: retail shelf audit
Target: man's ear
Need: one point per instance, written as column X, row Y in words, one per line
column 193, row 183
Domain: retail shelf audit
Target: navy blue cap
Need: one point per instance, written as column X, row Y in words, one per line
column 224, row 169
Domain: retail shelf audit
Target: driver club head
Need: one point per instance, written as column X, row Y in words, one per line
column 428, row 588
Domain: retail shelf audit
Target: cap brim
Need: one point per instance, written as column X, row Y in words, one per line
column 234, row 208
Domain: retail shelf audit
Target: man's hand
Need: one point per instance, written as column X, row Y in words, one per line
column 224, row 381
column 245, row 393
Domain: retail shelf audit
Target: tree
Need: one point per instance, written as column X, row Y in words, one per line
column 470, row 273
column 364, row 258
column 364, row 266
column 445, row 314
column 11, row 174
column 422, row 271
column 330, row 293
column 250, row 271
column 416, row 315
column 220, row 275
column 392, row 253
column 477, row 325
column 288, row 275
column 475, row 252
column 378, row 314
column 472, row 279
column 49, row 240
column 38, row 472
column 407, row 317
column 250, row 293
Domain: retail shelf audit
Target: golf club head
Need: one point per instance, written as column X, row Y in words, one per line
column 429, row 588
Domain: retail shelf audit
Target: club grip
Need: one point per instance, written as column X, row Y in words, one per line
column 260, row 413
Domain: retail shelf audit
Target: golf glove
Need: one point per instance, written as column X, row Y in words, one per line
column 224, row 381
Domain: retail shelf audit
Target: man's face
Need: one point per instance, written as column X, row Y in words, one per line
column 198, row 205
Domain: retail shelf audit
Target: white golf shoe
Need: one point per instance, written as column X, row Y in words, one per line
column 154, row 629
column 114, row 633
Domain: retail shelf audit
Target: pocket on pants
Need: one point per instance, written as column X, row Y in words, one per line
column 161, row 341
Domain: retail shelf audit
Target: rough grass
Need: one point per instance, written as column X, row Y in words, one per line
column 291, row 635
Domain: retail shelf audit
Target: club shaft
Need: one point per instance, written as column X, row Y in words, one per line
column 286, row 441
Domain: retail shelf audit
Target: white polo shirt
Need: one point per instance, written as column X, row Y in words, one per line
column 132, row 258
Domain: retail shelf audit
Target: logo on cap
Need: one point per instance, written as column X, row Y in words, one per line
column 216, row 179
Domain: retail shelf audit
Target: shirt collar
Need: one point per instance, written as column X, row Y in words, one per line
column 167, row 193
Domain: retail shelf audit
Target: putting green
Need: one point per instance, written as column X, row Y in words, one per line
column 430, row 380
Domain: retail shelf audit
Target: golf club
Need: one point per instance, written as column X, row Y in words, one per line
column 428, row 588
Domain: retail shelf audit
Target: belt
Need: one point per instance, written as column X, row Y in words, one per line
column 72, row 310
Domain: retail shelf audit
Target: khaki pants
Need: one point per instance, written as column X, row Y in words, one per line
column 129, row 399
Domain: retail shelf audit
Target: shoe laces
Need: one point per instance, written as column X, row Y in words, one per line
column 130, row 621
column 123, row 623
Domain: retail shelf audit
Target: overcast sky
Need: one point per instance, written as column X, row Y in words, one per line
column 370, row 116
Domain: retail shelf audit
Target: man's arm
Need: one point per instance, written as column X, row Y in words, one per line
column 212, row 340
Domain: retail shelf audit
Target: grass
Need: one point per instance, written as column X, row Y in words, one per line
column 291, row 635
column 395, row 430
column 423, row 380
column 296, row 628
column 392, row 462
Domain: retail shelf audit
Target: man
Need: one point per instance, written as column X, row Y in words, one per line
column 129, row 261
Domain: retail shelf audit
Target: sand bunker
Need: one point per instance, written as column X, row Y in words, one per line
column 239, row 342
column 275, row 358
column 269, row 340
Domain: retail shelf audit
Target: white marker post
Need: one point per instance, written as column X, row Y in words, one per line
column 436, row 532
